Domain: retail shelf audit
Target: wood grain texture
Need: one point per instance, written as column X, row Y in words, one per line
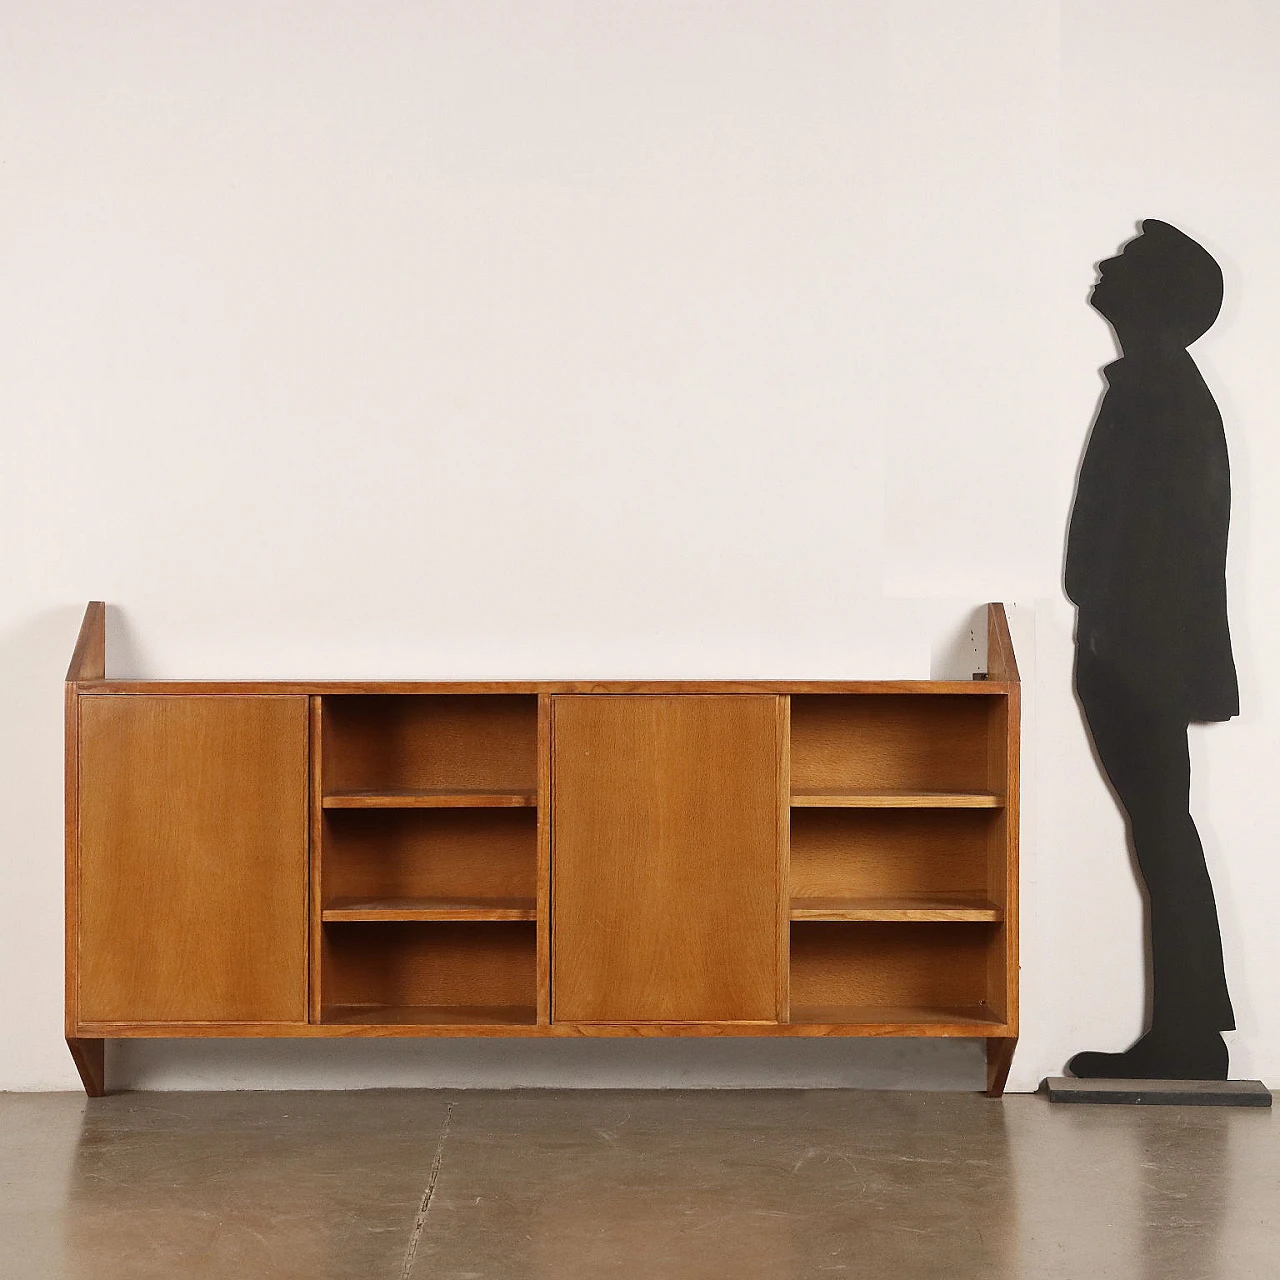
column 315, row 860
column 666, row 865
column 398, row 980
column 430, row 798
column 784, row 860
column 455, row 1015
column 888, row 798
column 870, row 853
column 1002, row 857
column 911, row 965
column 875, row 1022
column 88, row 662
column 71, row 864
column 415, row 688
column 90, row 1059
column 1004, row 750
column 1013, row 871
column 355, row 909
column 900, row 1020
column 89, row 657
column 1001, row 663
column 433, row 853
column 542, row 888
column 433, row 745
column 999, row 1059
column 193, row 859
column 924, row 907
column 841, row 743
column 398, row 965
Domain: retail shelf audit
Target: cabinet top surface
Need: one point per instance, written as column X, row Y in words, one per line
column 174, row 687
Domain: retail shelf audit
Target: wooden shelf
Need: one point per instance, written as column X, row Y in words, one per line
column 431, row 798
column 884, row 798
column 440, row 858
column 898, row 1019
column 352, row 909
column 440, row 1015
column 942, row 906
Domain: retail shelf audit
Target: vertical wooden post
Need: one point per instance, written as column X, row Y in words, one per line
column 1003, row 666
column 784, row 859
column 315, row 942
column 88, row 663
column 543, row 900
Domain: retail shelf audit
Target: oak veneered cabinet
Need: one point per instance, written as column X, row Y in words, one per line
column 666, row 877
column 546, row 858
column 193, row 859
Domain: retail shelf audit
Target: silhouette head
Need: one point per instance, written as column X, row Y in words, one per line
column 1162, row 290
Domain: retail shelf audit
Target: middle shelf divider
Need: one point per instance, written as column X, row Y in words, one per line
column 416, row 908
column 905, row 907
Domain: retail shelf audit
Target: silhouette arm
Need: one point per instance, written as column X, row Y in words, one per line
column 1095, row 517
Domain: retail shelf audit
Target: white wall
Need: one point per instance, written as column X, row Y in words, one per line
column 542, row 339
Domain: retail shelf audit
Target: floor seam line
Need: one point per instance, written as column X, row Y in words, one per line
column 411, row 1253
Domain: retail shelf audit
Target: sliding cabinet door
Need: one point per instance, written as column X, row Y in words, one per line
column 193, row 859
column 666, row 858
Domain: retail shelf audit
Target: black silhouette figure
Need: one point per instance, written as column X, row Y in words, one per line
column 1146, row 568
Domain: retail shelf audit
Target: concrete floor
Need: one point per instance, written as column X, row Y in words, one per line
column 670, row 1185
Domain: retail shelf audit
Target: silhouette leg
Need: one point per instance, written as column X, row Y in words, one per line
column 1143, row 749
column 1186, row 941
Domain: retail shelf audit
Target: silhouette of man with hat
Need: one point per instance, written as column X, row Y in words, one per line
column 1146, row 568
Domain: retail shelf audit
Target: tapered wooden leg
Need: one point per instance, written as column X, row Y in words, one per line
column 90, row 1059
column 999, row 1060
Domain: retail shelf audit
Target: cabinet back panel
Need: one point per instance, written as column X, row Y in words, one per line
column 885, row 853
column 926, row 742
column 485, row 964
column 395, row 743
column 430, row 853
column 897, row 965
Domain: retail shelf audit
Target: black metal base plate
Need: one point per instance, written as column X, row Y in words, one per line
column 1167, row 1093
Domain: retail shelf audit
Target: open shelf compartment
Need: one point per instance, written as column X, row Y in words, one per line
column 921, row 865
column 443, row 860
column 425, row 886
column 928, row 751
column 900, row 856
column 464, row 973
column 430, row 751
column 896, row 974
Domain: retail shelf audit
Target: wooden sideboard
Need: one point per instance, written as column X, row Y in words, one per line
column 544, row 858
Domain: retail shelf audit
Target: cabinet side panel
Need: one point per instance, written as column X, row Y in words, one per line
column 543, row 885
column 316, row 889
column 71, row 904
column 665, row 855
column 1002, row 860
column 783, row 714
column 193, row 859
